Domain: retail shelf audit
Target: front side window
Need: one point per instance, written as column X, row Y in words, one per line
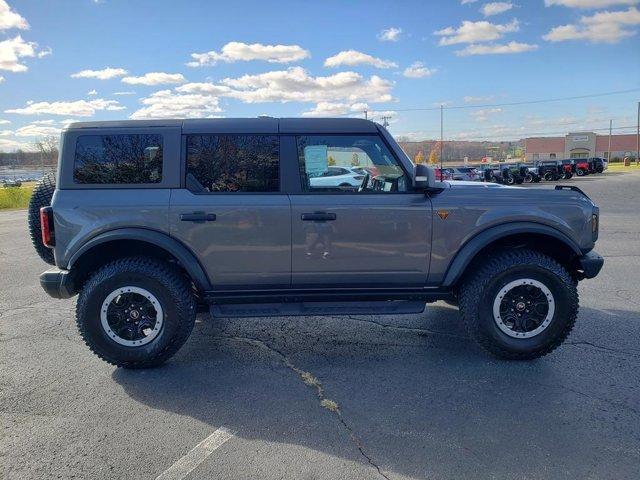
column 232, row 163
column 118, row 159
column 348, row 163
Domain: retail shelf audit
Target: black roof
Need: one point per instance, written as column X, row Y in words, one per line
column 243, row 125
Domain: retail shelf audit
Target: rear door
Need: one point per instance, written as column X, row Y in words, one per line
column 376, row 234
column 231, row 212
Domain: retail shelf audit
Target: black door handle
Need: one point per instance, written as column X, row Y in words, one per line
column 198, row 217
column 318, row 217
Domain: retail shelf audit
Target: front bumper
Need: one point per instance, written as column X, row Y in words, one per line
column 57, row 283
column 590, row 264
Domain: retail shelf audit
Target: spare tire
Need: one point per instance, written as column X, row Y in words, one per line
column 41, row 197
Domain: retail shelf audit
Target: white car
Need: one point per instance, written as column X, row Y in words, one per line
column 338, row 177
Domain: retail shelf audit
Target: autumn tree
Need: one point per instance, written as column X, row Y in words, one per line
column 433, row 157
column 419, row 158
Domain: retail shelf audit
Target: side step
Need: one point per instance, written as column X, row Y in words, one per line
column 392, row 307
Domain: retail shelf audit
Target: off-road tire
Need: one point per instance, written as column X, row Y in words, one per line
column 581, row 172
column 549, row 177
column 165, row 282
column 478, row 291
column 528, row 178
column 41, row 197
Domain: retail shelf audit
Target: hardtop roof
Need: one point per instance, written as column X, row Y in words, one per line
column 242, row 125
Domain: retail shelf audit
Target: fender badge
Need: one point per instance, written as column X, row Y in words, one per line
column 443, row 214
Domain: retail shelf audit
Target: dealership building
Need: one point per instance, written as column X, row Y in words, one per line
column 579, row 145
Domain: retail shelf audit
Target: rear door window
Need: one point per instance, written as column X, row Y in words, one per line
column 232, row 163
column 118, row 159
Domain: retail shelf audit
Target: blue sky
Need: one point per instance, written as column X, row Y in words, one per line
column 113, row 59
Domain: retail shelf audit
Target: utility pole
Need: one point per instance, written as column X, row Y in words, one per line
column 609, row 150
column 365, row 114
column 385, row 122
column 638, row 138
column 441, row 134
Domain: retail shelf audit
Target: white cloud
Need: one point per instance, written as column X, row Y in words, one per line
column 391, row 34
column 483, row 115
column 44, row 52
column 239, row 51
column 11, row 19
column 471, row 99
column 464, row 2
column 92, row 92
column 353, row 57
column 589, row 3
column 124, row 93
column 44, row 122
column 496, row 49
column 473, row 32
column 296, row 85
column 418, row 70
column 6, row 133
column 34, row 130
column 291, row 85
column 495, row 8
column 155, row 78
column 104, row 74
column 601, row 27
column 12, row 50
column 169, row 104
column 4, row 122
column 330, row 109
column 10, row 145
column 79, row 108
column 1, row 79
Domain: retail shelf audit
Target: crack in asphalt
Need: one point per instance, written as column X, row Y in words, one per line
column 420, row 331
column 580, row 343
column 311, row 381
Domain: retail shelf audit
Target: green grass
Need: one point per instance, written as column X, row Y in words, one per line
column 15, row 197
column 619, row 167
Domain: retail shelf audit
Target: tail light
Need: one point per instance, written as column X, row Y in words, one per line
column 46, row 227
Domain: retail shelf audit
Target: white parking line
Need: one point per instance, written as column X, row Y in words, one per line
column 196, row 455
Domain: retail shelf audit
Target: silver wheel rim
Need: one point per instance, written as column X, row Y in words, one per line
column 149, row 333
column 503, row 321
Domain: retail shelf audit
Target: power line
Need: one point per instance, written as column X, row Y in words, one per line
column 508, row 104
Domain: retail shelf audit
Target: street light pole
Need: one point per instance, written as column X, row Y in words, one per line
column 441, row 134
column 609, row 150
column 638, row 138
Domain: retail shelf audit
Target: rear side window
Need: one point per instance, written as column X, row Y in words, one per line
column 118, row 159
column 232, row 163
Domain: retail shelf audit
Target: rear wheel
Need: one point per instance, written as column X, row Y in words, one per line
column 136, row 312
column 41, row 197
column 528, row 178
column 581, row 172
column 548, row 176
column 519, row 305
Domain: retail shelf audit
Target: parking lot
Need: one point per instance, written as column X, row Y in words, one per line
column 328, row 397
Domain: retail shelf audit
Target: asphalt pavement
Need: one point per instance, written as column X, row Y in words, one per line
column 353, row 397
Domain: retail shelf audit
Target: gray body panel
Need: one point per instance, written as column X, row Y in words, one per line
column 249, row 243
column 259, row 241
column 376, row 239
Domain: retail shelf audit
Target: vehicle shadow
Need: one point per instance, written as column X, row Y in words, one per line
column 419, row 397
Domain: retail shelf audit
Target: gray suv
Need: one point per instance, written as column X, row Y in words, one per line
column 151, row 221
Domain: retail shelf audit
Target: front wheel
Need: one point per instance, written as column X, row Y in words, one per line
column 519, row 305
column 136, row 312
column 581, row 172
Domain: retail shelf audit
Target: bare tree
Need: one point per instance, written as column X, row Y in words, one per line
column 48, row 149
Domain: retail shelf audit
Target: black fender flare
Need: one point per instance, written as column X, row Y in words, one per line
column 185, row 256
column 471, row 248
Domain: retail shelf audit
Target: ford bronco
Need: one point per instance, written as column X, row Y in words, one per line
column 152, row 221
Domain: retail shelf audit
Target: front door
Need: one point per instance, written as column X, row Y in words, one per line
column 232, row 213
column 367, row 229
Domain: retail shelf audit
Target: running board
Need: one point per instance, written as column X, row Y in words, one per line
column 393, row 307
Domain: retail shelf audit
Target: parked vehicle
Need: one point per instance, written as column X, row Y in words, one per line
column 512, row 174
column 470, row 174
column 550, row 170
column 339, row 177
column 596, row 165
column 153, row 220
column 567, row 167
column 11, row 183
column 530, row 173
column 444, row 174
column 582, row 167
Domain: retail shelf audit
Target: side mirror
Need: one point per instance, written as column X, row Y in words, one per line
column 424, row 178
